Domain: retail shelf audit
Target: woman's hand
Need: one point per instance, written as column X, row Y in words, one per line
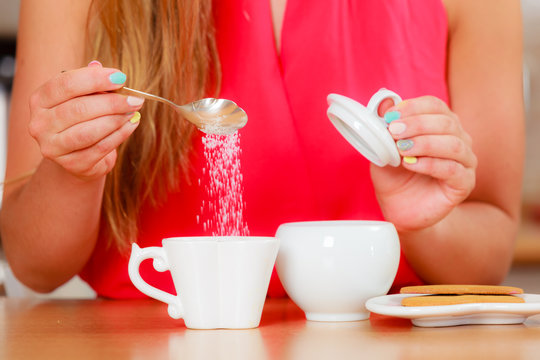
column 78, row 123
column 438, row 166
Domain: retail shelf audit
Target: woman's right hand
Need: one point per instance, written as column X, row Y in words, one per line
column 78, row 122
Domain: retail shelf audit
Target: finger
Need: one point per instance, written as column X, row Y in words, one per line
column 89, row 107
column 94, row 63
column 76, row 83
column 438, row 146
column 88, row 133
column 102, row 167
column 433, row 124
column 84, row 161
column 451, row 172
column 421, row 105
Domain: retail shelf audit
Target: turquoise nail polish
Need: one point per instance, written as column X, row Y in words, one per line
column 404, row 145
column 391, row 116
column 117, row 78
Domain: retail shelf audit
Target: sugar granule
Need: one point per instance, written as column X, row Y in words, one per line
column 223, row 213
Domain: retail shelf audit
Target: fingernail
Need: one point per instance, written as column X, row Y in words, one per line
column 117, row 78
column 134, row 100
column 404, row 145
column 94, row 63
column 391, row 116
column 401, row 104
column 410, row 159
column 135, row 118
column 397, row 128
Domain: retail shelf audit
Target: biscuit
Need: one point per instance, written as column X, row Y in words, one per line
column 436, row 300
column 461, row 289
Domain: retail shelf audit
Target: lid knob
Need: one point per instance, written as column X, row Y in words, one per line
column 363, row 128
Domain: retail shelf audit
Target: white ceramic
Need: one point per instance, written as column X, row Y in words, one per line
column 331, row 268
column 460, row 314
column 221, row 282
column 364, row 128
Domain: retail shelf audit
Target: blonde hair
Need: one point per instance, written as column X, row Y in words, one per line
column 166, row 47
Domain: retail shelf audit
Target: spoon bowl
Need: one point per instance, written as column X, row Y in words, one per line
column 211, row 116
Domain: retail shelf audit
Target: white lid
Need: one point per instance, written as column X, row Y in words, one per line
column 364, row 128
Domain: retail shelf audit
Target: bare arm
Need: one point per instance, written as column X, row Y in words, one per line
column 49, row 222
column 474, row 243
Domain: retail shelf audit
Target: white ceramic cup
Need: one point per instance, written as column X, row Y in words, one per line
column 221, row 282
column 331, row 268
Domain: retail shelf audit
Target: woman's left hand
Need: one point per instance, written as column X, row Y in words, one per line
column 438, row 165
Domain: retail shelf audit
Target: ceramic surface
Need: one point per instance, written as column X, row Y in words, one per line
column 331, row 268
column 221, row 281
column 460, row 314
column 363, row 128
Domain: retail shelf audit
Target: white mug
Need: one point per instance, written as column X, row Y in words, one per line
column 221, row 282
column 331, row 268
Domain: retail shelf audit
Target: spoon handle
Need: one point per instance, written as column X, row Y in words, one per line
column 149, row 96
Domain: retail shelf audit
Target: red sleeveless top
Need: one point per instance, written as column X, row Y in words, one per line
column 295, row 165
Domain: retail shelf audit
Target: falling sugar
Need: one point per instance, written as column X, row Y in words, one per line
column 223, row 213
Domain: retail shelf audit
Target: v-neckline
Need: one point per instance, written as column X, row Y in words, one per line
column 279, row 9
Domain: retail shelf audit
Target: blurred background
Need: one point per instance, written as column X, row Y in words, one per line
column 528, row 246
column 526, row 267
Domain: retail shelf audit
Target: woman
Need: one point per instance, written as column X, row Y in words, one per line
column 102, row 177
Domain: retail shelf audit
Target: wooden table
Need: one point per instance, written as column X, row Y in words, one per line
column 141, row 329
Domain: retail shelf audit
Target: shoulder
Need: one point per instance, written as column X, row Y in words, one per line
column 51, row 38
column 50, row 22
column 468, row 15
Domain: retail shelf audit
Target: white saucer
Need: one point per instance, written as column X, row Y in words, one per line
column 462, row 314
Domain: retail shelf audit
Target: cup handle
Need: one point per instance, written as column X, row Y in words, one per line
column 379, row 97
column 175, row 309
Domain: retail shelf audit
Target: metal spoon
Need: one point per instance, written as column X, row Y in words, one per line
column 211, row 116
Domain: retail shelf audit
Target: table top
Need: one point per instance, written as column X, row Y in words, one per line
column 141, row 329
